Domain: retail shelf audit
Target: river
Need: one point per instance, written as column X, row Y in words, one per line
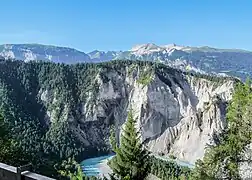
column 98, row 166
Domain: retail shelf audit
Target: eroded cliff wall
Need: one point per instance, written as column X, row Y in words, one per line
column 176, row 113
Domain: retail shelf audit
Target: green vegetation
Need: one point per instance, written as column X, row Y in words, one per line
column 9, row 152
column 145, row 76
column 63, row 88
column 168, row 169
column 222, row 160
column 31, row 137
column 132, row 68
column 26, row 136
column 172, row 156
column 70, row 169
column 131, row 160
column 218, row 80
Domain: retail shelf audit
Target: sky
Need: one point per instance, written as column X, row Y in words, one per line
column 120, row 24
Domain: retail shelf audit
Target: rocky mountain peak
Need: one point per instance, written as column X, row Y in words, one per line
column 144, row 48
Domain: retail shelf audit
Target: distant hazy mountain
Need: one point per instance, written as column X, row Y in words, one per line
column 28, row 52
column 200, row 59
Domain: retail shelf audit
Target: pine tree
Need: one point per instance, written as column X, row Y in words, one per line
column 131, row 160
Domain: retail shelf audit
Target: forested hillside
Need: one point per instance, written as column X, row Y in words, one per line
column 41, row 109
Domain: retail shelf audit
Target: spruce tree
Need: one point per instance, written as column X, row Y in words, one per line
column 131, row 159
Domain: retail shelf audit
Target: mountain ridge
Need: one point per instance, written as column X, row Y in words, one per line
column 163, row 46
column 205, row 59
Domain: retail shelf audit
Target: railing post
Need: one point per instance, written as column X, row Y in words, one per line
column 18, row 176
column 22, row 169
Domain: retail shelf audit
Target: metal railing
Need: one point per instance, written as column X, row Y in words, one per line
column 8, row 172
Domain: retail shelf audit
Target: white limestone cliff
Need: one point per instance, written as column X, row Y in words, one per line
column 176, row 115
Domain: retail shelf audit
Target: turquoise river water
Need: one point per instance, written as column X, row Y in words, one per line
column 96, row 166
column 91, row 166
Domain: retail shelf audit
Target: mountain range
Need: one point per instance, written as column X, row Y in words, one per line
column 225, row 62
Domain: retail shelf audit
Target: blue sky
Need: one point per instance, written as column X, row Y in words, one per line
column 121, row 24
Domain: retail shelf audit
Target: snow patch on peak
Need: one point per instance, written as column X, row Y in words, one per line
column 151, row 48
column 174, row 46
column 146, row 49
column 136, row 47
column 148, row 46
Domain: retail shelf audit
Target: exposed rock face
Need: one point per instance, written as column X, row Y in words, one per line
column 176, row 113
column 245, row 168
column 182, row 120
